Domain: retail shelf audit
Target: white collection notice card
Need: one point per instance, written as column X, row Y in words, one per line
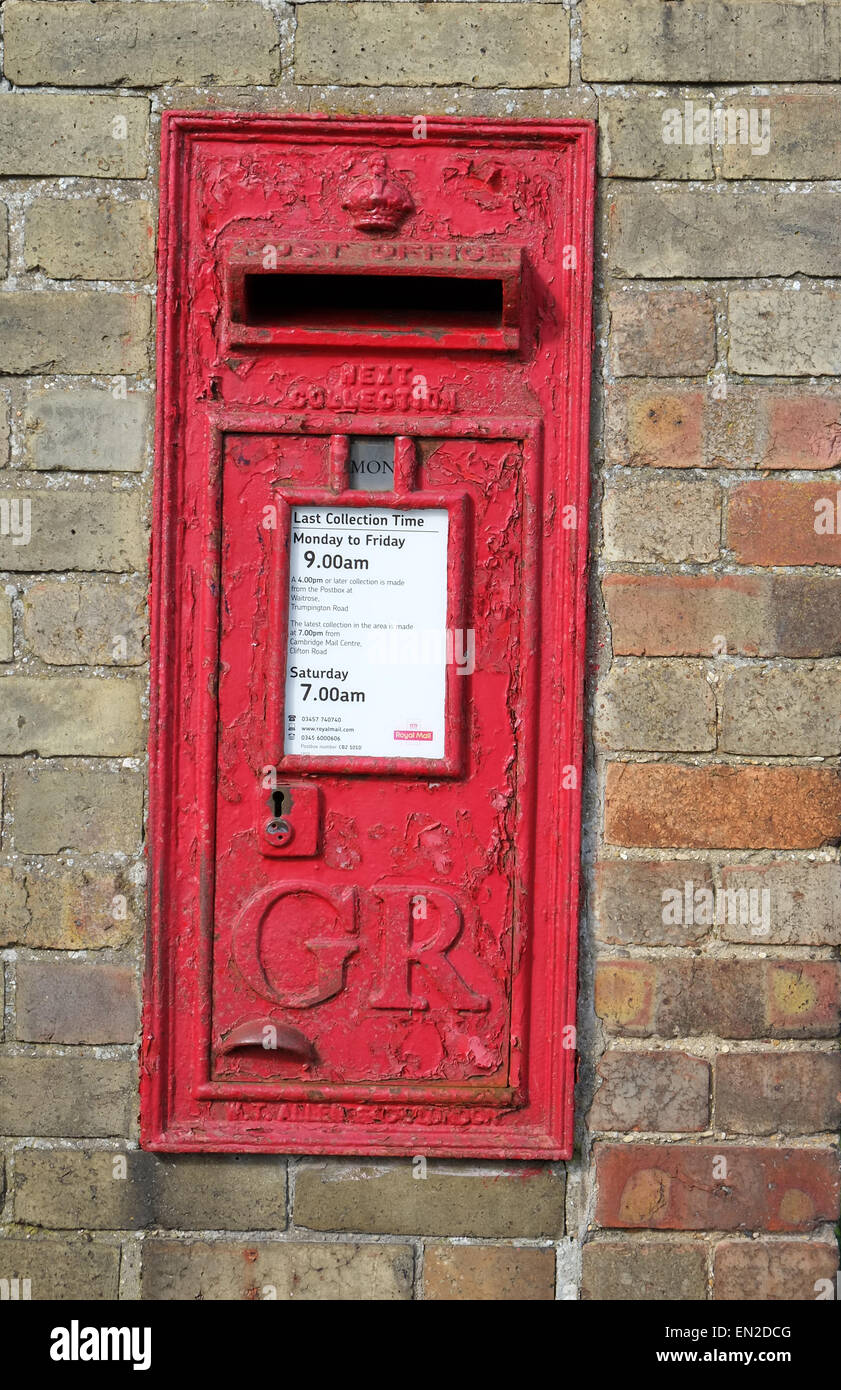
column 367, row 641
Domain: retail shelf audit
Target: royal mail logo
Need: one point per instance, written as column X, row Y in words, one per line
column 414, row 735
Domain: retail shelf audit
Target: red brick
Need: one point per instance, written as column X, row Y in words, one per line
column 673, row 424
column 625, row 995
column 677, row 997
column 686, row 615
column 706, row 615
column 661, row 332
column 666, row 805
column 802, row 998
column 654, row 425
column 804, row 431
column 778, row 1092
column 687, row 1188
column 651, row 1091
column 66, row 1002
column 763, row 1271
column 771, row 522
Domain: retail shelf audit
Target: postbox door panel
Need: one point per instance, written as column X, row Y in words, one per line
column 379, row 951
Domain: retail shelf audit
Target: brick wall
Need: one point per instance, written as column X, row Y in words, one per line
column 710, row 1090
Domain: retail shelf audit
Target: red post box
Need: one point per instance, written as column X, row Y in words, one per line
column 368, row 632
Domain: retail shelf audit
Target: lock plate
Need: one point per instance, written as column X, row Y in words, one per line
column 289, row 820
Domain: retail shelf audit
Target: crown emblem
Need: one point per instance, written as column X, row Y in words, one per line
column 377, row 202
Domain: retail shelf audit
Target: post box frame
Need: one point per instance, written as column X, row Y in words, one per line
column 182, row 744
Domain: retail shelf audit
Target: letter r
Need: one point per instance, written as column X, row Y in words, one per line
column 401, row 953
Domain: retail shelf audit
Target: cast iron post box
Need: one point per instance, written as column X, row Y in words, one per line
column 368, row 635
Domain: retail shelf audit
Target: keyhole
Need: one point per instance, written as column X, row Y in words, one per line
column 281, row 802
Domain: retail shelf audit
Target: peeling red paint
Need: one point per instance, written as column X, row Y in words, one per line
column 390, row 1032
